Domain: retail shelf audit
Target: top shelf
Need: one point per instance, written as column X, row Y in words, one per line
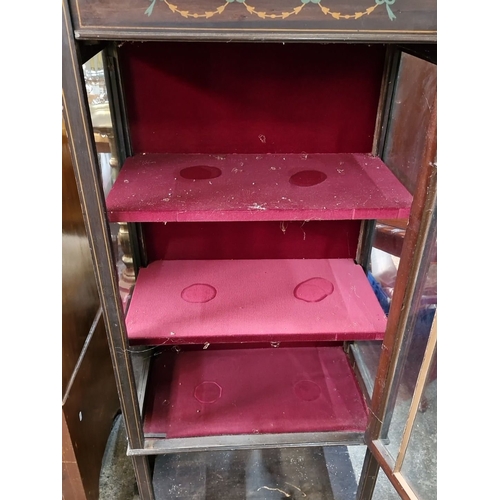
column 240, row 187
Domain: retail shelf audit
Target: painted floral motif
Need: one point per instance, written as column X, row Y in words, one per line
column 149, row 10
column 388, row 3
column 283, row 15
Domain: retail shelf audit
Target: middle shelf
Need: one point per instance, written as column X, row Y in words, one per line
column 259, row 300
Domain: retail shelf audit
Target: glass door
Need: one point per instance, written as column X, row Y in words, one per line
column 399, row 373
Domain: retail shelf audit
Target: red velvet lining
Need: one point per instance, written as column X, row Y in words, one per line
column 253, row 391
column 259, row 300
column 161, row 188
column 251, row 240
column 251, row 97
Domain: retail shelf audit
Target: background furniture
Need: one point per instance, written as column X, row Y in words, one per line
column 89, row 397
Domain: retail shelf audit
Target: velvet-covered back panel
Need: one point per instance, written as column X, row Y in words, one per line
column 251, row 240
column 259, row 98
column 251, row 97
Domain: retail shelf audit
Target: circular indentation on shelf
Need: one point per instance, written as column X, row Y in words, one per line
column 307, row 178
column 313, row 290
column 208, row 392
column 307, row 390
column 200, row 172
column 198, row 293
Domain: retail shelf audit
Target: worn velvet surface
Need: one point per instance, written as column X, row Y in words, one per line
column 251, row 240
column 199, row 301
column 177, row 188
column 251, row 98
column 252, row 391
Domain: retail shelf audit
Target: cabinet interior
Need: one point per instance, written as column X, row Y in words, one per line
column 251, row 173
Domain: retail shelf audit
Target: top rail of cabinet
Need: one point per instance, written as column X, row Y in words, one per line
column 258, row 20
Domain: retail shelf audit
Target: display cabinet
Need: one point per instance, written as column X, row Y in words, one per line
column 257, row 146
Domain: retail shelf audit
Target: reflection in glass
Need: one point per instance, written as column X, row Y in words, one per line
column 367, row 354
column 411, row 112
column 107, row 152
column 382, row 278
column 384, row 489
column 420, row 463
column 418, row 329
column 95, row 84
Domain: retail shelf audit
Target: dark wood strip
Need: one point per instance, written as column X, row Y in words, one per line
column 87, row 173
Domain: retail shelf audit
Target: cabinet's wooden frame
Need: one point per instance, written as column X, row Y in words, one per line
column 87, row 173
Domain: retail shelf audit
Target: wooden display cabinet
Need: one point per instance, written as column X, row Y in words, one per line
column 252, row 174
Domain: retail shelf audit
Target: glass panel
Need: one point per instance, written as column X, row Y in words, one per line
column 417, row 333
column 100, row 115
column 367, row 354
column 344, row 465
column 345, row 478
column 403, row 152
column 382, row 278
column 410, row 114
column 105, row 141
column 420, row 463
column 384, row 490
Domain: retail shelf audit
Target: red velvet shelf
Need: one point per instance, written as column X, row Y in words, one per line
column 252, row 391
column 238, row 187
column 261, row 300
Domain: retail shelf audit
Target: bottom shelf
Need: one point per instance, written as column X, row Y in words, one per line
column 252, row 392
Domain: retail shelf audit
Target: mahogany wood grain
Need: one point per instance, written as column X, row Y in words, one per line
column 72, row 486
column 80, row 301
column 360, row 19
column 90, row 409
column 411, row 116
